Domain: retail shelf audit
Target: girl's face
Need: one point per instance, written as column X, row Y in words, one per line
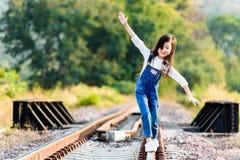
column 165, row 51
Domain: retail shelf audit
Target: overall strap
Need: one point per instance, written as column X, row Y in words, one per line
column 150, row 58
column 149, row 61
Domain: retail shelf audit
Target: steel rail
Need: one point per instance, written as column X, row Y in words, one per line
column 56, row 149
column 135, row 128
column 113, row 122
column 105, row 133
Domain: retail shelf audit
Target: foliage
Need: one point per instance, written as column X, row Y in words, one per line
column 68, row 42
column 98, row 96
column 11, row 83
column 224, row 30
column 232, row 76
column 125, row 87
column 92, row 99
column 217, row 7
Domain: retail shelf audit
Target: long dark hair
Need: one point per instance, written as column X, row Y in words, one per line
column 168, row 59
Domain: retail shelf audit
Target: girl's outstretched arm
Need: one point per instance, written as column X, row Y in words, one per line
column 123, row 20
column 189, row 94
column 174, row 74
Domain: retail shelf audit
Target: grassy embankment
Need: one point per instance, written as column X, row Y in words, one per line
column 72, row 97
column 83, row 95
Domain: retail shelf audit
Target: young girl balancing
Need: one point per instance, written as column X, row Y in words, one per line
column 156, row 63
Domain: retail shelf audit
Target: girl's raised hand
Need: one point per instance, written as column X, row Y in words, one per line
column 122, row 18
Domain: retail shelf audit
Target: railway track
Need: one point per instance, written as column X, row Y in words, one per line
column 93, row 141
column 113, row 136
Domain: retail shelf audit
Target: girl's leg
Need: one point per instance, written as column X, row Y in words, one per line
column 153, row 106
column 150, row 146
column 145, row 113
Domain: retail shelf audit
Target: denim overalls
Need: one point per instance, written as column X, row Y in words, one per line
column 147, row 98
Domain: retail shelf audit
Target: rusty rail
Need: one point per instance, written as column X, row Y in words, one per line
column 105, row 133
column 135, row 128
column 59, row 148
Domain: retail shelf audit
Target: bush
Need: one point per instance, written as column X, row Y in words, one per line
column 233, row 82
column 125, row 87
column 11, row 83
column 92, row 99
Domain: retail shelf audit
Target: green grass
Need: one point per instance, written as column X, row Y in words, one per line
column 75, row 96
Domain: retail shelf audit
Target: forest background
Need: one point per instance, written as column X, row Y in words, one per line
column 77, row 51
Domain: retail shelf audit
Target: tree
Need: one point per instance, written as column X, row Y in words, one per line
column 225, row 31
column 43, row 35
column 66, row 41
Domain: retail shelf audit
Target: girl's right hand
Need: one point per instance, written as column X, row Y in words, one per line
column 193, row 100
column 122, row 18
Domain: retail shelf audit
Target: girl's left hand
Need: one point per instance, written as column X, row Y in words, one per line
column 193, row 100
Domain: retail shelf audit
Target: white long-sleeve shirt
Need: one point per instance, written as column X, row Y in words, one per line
column 156, row 62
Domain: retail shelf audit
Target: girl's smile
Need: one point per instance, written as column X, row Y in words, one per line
column 165, row 51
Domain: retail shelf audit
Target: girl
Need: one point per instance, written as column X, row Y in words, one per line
column 156, row 62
